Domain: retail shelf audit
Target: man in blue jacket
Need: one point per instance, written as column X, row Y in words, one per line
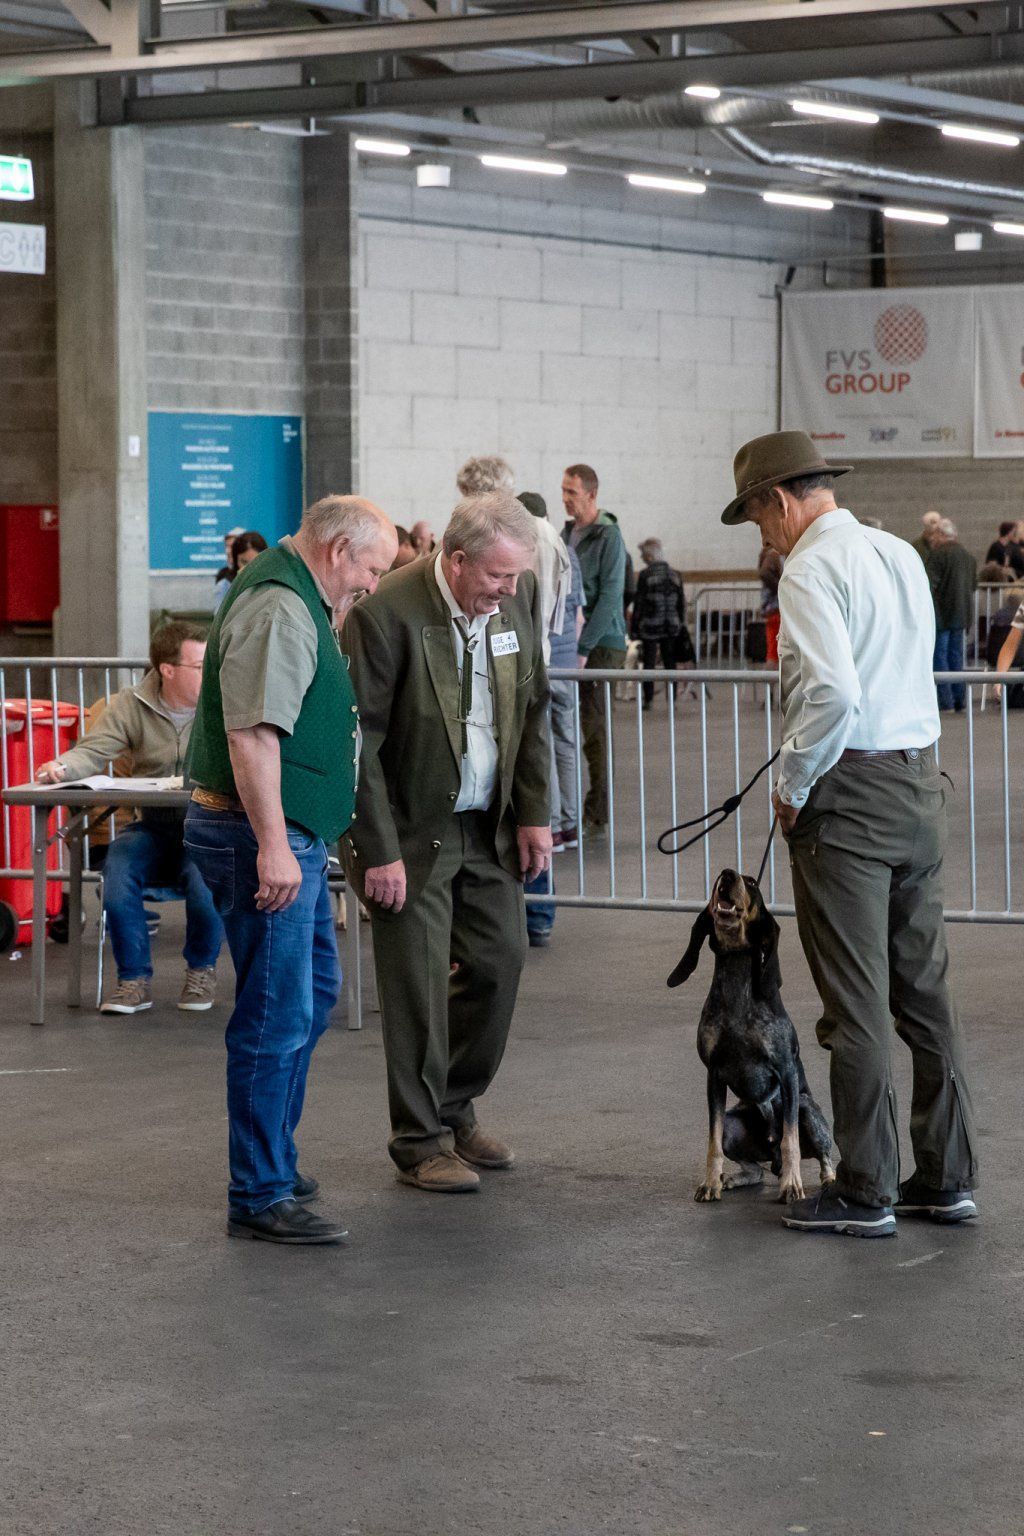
column 602, row 642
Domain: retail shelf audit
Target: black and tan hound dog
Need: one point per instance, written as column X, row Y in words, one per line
column 747, row 1042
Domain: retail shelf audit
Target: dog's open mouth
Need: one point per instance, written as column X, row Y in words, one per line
column 726, row 912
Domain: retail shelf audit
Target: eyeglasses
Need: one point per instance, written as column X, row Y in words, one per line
column 188, row 666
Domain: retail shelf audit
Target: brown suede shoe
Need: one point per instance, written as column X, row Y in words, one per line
column 474, row 1146
column 444, row 1174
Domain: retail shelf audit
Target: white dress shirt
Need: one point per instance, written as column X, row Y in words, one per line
column 480, row 764
column 855, row 650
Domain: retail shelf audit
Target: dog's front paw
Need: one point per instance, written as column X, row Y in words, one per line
column 705, row 1192
column 791, row 1190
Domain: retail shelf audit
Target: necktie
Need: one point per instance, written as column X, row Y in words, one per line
column 466, row 686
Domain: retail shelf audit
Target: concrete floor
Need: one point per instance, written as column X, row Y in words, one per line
column 579, row 1350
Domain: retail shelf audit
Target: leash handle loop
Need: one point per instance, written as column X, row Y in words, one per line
column 723, row 812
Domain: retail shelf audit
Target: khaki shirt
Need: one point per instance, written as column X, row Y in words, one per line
column 268, row 646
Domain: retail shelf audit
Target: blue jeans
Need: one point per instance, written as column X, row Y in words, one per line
column 949, row 657
column 287, row 981
column 147, row 854
column 540, row 915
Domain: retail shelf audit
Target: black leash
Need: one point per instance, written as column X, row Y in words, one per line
column 723, row 812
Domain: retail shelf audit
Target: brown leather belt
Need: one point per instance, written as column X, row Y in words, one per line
column 905, row 754
column 213, row 800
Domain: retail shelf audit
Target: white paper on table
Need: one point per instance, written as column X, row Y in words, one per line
column 105, row 781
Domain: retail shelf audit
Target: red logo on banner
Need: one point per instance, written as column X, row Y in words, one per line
column 901, row 334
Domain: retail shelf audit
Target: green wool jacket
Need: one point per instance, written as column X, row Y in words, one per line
column 602, row 556
column 318, row 760
column 406, row 678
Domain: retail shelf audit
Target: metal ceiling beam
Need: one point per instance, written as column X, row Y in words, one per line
column 950, row 103
column 450, row 34
column 492, row 87
column 93, row 17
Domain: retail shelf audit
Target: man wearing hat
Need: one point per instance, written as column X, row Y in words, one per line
column 860, row 801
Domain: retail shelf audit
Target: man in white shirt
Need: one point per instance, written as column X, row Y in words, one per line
column 452, row 815
column 861, row 804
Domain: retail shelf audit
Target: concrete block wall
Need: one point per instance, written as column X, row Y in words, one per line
column 28, row 344
column 225, row 321
column 224, row 273
column 978, row 494
column 652, row 366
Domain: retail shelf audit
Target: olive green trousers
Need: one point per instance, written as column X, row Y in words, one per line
column 445, row 1029
column 866, row 855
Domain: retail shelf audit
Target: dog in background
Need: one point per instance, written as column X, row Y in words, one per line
column 747, row 1042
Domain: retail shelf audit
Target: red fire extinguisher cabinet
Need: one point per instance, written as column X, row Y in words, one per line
column 49, row 738
column 29, row 564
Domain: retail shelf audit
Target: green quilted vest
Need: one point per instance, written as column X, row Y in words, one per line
column 318, row 760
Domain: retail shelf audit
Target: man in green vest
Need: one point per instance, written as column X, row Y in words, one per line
column 272, row 761
column 453, row 815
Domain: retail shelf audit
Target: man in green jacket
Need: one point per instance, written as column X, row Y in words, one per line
column 953, row 575
column 273, row 761
column 453, row 814
column 595, row 537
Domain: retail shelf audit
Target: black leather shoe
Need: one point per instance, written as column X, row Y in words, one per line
column 305, row 1190
column 286, row 1222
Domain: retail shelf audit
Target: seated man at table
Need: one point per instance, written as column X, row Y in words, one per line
column 152, row 721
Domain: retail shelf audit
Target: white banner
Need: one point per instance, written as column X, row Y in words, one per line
column 999, row 369
column 881, row 372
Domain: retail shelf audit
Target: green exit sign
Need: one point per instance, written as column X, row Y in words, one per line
column 16, row 179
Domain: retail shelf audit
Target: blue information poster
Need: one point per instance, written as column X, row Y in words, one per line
column 211, row 473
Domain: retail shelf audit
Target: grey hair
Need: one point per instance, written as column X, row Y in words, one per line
column 349, row 517
column 489, row 473
column 478, row 520
column 652, row 549
column 947, row 528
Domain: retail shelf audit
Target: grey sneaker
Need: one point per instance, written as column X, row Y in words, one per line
column 133, row 996
column 832, row 1212
column 941, row 1205
column 199, row 991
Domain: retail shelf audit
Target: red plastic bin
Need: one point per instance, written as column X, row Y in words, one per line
column 49, row 739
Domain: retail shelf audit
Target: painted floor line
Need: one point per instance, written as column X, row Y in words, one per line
column 34, row 1071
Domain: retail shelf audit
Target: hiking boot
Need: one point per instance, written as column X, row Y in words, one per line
column 832, row 1212
column 443, row 1174
column 199, row 991
column 482, row 1151
column 133, row 996
column 941, row 1205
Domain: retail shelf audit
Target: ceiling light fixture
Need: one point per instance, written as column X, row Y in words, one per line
column 382, row 147
column 707, row 92
column 798, row 200
column 509, row 163
column 916, row 215
column 667, row 184
column 980, row 135
column 837, row 114
column 1002, row 228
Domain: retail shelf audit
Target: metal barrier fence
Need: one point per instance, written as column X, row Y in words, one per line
column 722, row 613
column 43, row 684
column 704, row 737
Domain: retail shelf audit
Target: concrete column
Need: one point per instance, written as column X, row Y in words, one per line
column 100, row 234
column 330, row 244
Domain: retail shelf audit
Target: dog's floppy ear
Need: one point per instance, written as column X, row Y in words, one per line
column 767, row 974
column 700, row 931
